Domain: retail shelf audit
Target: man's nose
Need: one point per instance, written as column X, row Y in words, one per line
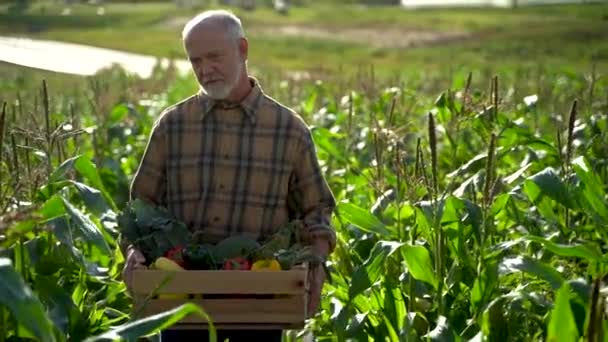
column 207, row 69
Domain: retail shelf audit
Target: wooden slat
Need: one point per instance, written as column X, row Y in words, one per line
column 221, row 282
column 239, row 326
column 281, row 311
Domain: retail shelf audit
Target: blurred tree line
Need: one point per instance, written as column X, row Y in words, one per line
column 243, row 2
column 279, row 5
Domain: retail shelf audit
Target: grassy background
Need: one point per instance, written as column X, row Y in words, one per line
column 570, row 37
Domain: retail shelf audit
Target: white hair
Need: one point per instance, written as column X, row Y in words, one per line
column 231, row 22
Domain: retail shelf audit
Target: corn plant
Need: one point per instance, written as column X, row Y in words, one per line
column 476, row 213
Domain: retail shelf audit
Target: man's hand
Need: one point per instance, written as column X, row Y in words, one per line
column 135, row 260
column 317, row 278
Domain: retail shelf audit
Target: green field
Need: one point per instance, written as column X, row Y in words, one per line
column 504, row 38
column 471, row 175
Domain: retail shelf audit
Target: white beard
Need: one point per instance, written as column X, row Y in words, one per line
column 221, row 90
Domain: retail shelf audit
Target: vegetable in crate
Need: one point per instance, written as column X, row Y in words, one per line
column 266, row 265
column 287, row 236
column 151, row 229
column 287, row 248
column 176, row 254
column 199, row 257
column 238, row 263
column 234, row 247
column 166, row 264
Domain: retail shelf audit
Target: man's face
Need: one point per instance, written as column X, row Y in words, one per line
column 215, row 58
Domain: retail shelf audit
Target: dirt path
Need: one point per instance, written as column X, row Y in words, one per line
column 75, row 59
column 382, row 38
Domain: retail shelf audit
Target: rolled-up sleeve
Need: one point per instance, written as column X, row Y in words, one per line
column 310, row 198
column 149, row 182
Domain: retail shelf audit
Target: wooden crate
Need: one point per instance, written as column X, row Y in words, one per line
column 233, row 299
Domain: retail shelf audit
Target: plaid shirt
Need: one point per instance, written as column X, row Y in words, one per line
column 249, row 168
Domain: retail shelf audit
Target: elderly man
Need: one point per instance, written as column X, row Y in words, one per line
column 231, row 160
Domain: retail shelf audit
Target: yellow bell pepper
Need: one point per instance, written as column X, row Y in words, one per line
column 166, row 264
column 266, row 265
column 172, row 296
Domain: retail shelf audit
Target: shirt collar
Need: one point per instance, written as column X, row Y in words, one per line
column 249, row 104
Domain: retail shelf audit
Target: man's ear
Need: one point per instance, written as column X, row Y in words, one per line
column 244, row 48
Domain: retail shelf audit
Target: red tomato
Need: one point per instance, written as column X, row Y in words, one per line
column 176, row 255
column 237, row 264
